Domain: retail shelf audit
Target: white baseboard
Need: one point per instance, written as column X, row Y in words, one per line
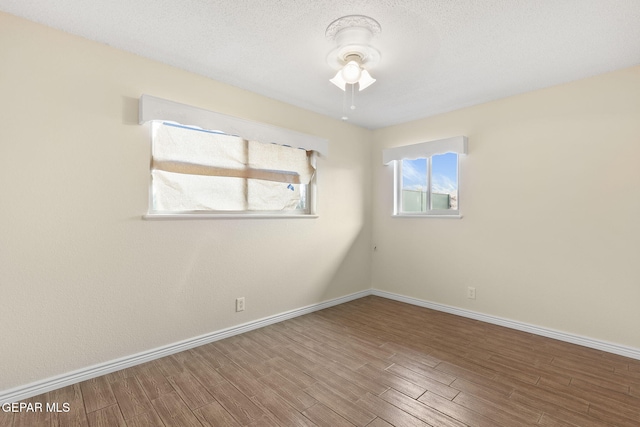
column 622, row 350
column 43, row 386
column 23, row 392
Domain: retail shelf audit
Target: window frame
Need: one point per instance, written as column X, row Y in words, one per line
column 162, row 110
column 397, row 193
column 423, row 150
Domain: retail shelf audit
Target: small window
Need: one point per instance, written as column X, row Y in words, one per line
column 426, row 177
column 428, row 185
column 197, row 171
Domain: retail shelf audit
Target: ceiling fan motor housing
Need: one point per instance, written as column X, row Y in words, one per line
column 352, row 35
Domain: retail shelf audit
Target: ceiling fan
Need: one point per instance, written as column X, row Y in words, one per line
column 353, row 55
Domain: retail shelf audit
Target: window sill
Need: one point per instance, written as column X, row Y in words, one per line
column 155, row 216
column 456, row 216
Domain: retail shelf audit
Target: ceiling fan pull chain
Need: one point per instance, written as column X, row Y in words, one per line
column 344, row 106
column 353, row 91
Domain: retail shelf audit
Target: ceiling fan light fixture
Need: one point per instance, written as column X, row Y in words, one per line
column 351, row 72
column 339, row 81
column 365, row 80
column 353, row 54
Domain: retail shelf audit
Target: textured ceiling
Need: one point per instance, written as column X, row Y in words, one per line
column 437, row 55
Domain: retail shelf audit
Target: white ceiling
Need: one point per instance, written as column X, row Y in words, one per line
column 437, row 55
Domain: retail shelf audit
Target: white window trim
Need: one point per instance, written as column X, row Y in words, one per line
column 152, row 108
column 395, row 155
column 242, row 215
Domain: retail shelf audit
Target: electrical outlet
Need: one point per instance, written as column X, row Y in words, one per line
column 240, row 304
column 471, row 292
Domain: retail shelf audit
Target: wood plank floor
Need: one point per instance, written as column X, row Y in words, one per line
column 370, row 362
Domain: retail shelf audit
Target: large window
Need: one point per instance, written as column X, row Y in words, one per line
column 200, row 171
column 426, row 177
column 201, row 167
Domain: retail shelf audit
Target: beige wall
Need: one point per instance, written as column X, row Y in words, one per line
column 550, row 197
column 549, row 193
column 83, row 279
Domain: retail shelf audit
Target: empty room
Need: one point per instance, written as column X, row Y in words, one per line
column 332, row 213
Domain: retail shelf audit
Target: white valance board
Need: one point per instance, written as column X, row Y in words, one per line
column 456, row 144
column 154, row 108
